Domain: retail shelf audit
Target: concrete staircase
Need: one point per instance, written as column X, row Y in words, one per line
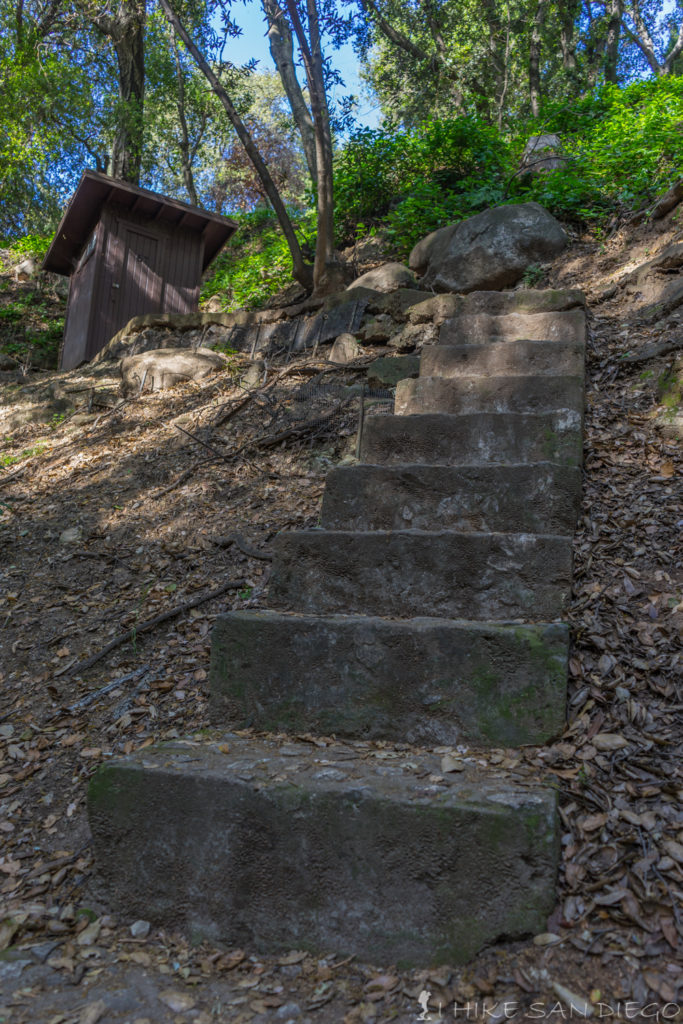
column 426, row 610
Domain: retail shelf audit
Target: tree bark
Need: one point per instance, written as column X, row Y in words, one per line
column 302, row 270
column 643, row 39
column 615, row 11
column 282, row 52
column 568, row 12
column 127, row 152
column 326, row 270
column 184, row 143
column 126, row 29
column 535, row 59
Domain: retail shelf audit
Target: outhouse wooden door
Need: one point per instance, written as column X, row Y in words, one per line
column 141, row 282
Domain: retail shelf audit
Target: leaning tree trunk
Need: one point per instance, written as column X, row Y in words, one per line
column 301, row 269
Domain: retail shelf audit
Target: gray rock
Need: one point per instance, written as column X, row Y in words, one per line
column 140, row 929
column 377, row 330
column 386, row 278
column 413, row 336
column 543, row 153
column 488, row 577
column 471, row 394
column 540, row 498
column 491, row 250
column 164, row 367
column 345, row 350
column 253, row 375
column 476, row 438
column 387, row 371
column 495, row 358
column 474, row 328
column 26, row 270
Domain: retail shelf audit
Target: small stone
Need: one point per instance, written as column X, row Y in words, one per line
column 89, row 935
column 287, row 1012
column 177, row 1001
column 140, row 929
column 71, row 536
column 345, row 350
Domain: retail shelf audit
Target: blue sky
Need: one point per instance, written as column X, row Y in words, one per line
column 253, row 43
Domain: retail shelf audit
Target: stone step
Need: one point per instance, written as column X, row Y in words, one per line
column 475, row 438
column 378, row 853
column 540, row 498
column 495, row 358
column 473, row 328
column 462, row 395
column 404, row 574
column 420, row 681
column 437, row 308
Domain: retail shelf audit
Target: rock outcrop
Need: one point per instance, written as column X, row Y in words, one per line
column 489, row 251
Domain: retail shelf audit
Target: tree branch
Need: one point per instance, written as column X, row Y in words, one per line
column 302, row 270
column 393, row 35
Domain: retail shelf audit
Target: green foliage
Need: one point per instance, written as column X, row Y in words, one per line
column 31, row 319
column 256, row 264
column 624, row 147
column 28, row 245
column 415, row 181
column 28, row 453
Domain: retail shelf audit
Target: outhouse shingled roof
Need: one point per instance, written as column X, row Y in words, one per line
column 95, row 189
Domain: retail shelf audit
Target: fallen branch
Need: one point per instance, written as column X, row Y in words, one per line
column 95, row 695
column 663, row 348
column 239, row 542
column 185, row 475
column 145, row 627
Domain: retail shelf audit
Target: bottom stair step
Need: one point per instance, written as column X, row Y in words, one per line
column 417, row 680
column 341, row 848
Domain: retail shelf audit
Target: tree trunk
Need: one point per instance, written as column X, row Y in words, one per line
column 126, row 29
column 615, row 11
column 184, row 142
column 130, row 55
column 282, row 52
column 535, row 59
column 327, row 275
column 568, row 12
column 302, row 270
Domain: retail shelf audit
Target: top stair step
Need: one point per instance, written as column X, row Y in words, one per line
column 437, row 308
column 474, row 328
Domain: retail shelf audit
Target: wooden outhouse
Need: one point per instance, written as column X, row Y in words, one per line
column 128, row 251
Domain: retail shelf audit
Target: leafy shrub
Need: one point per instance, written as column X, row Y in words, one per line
column 624, row 147
column 415, row 181
column 256, row 264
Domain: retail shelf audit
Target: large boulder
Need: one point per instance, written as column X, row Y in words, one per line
column 164, row 367
column 386, row 278
column 491, row 250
